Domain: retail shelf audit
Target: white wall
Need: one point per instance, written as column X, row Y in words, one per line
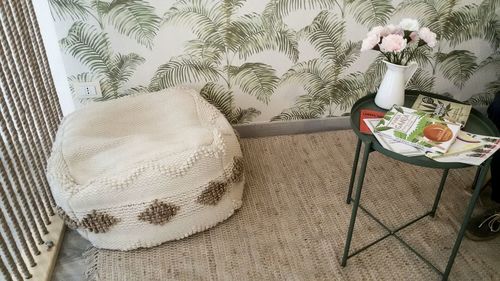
column 48, row 31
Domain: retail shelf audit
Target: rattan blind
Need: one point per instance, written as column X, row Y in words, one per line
column 29, row 116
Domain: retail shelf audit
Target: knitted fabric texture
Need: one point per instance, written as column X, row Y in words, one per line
column 98, row 222
column 158, row 213
column 130, row 172
column 67, row 220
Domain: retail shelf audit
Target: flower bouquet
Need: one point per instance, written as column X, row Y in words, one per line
column 399, row 44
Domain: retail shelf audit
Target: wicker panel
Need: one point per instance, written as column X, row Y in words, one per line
column 29, row 117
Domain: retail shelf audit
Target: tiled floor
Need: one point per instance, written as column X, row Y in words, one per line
column 70, row 265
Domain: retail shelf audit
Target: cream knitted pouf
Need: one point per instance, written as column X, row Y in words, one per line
column 139, row 171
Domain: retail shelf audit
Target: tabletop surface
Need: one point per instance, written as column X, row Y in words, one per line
column 476, row 124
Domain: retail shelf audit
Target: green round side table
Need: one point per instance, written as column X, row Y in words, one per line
column 477, row 124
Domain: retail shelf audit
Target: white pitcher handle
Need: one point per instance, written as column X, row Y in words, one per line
column 412, row 67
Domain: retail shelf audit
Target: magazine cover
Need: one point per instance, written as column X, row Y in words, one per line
column 368, row 114
column 443, row 110
column 489, row 145
column 463, row 143
column 391, row 144
column 418, row 129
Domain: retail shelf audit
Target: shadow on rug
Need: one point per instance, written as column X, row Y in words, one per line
column 294, row 219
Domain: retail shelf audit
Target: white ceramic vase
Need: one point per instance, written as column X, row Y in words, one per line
column 392, row 88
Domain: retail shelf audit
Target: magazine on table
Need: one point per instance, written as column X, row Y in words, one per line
column 389, row 143
column 488, row 146
column 418, row 129
column 368, row 114
column 463, row 143
column 442, row 109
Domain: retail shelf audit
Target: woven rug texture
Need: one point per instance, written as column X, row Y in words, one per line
column 294, row 219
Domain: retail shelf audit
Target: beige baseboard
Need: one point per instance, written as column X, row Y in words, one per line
column 293, row 127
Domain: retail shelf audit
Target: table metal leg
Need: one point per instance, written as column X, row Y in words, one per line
column 472, row 202
column 355, row 206
column 438, row 194
column 476, row 177
column 354, row 169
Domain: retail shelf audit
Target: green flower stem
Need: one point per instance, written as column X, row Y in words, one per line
column 386, row 55
column 412, row 55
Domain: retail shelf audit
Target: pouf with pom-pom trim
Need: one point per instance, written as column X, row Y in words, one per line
column 139, row 171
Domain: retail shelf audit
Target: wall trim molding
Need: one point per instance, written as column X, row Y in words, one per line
column 292, row 127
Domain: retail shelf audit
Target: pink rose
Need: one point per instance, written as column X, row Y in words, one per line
column 393, row 43
column 428, row 36
column 370, row 42
column 414, row 37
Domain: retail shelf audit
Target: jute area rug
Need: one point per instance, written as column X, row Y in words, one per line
column 294, row 219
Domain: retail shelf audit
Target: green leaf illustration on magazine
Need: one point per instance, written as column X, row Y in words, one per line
column 442, row 109
column 390, row 143
column 418, row 129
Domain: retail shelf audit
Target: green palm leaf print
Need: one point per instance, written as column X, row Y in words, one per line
column 475, row 21
column 242, row 116
column 327, row 86
column 89, row 46
column 493, row 88
column 493, row 59
column 281, row 8
column 202, row 18
column 247, row 35
column 326, row 34
column 229, row 8
column 93, row 49
column 69, row 9
column 454, row 25
column 251, row 34
column 181, row 70
column 223, row 34
column 422, row 80
column 122, row 68
column 255, row 79
column 483, row 99
column 348, row 53
column 203, row 50
column 297, row 113
column 227, row 53
column 348, row 90
column 314, row 76
column 219, row 97
column 433, row 14
column 458, row 66
column 223, row 100
column 371, row 12
column 133, row 18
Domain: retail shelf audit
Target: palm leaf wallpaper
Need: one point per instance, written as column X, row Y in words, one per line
column 269, row 60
